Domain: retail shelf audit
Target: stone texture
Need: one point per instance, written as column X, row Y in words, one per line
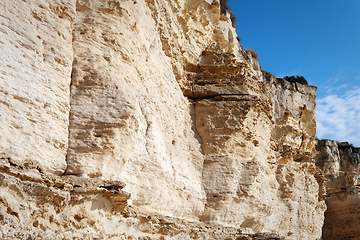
column 35, row 67
column 340, row 164
column 125, row 85
column 257, row 137
column 34, row 205
column 173, row 131
column 40, row 206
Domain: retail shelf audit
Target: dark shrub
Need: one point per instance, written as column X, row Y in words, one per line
column 299, row 79
column 224, row 6
column 233, row 19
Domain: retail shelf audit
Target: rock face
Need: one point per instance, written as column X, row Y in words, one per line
column 35, row 68
column 147, row 120
column 254, row 145
column 340, row 163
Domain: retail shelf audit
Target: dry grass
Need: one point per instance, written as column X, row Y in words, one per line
column 253, row 53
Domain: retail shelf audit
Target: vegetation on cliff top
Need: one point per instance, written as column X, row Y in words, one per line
column 298, row 79
column 224, row 6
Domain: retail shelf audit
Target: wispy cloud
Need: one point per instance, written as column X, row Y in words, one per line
column 338, row 117
column 346, row 78
column 341, row 73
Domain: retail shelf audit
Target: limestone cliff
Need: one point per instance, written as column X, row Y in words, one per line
column 145, row 119
column 340, row 163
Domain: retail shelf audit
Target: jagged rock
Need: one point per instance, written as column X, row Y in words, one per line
column 340, row 163
column 173, row 131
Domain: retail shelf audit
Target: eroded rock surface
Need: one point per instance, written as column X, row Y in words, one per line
column 173, row 130
column 340, row 163
column 258, row 140
column 35, row 67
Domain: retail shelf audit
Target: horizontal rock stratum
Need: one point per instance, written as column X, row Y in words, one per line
column 145, row 119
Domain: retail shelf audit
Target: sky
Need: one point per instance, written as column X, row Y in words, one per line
column 316, row 39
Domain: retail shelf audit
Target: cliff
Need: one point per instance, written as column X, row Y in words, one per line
column 340, row 163
column 147, row 120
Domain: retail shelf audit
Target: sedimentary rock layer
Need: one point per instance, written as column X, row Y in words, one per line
column 173, row 130
column 35, row 67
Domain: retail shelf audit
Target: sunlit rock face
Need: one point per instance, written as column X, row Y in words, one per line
column 35, row 68
column 147, row 120
column 258, row 140
column 340, row 163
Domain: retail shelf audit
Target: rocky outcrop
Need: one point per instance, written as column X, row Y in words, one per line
column 52, row 207
column 170, row 130
column 254, row 145
column 340, row 163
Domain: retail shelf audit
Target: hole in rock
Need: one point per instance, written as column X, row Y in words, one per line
column 10, row 211
column 36, row 223
column 78, row 218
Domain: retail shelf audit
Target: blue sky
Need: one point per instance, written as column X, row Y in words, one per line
column 317, row 39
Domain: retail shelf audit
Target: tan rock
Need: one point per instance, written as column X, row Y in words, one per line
column 164, row 100
column 257, row 143
column 342, row 215
column 123, row 91
column 340, row 164
column 35, row 67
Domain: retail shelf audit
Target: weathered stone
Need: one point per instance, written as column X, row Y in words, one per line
column 35, row 67
column 173, row 131
column 340, row 164
column 251, row 138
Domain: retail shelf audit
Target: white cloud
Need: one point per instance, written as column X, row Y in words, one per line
column 346, row 78
column 338, row 118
